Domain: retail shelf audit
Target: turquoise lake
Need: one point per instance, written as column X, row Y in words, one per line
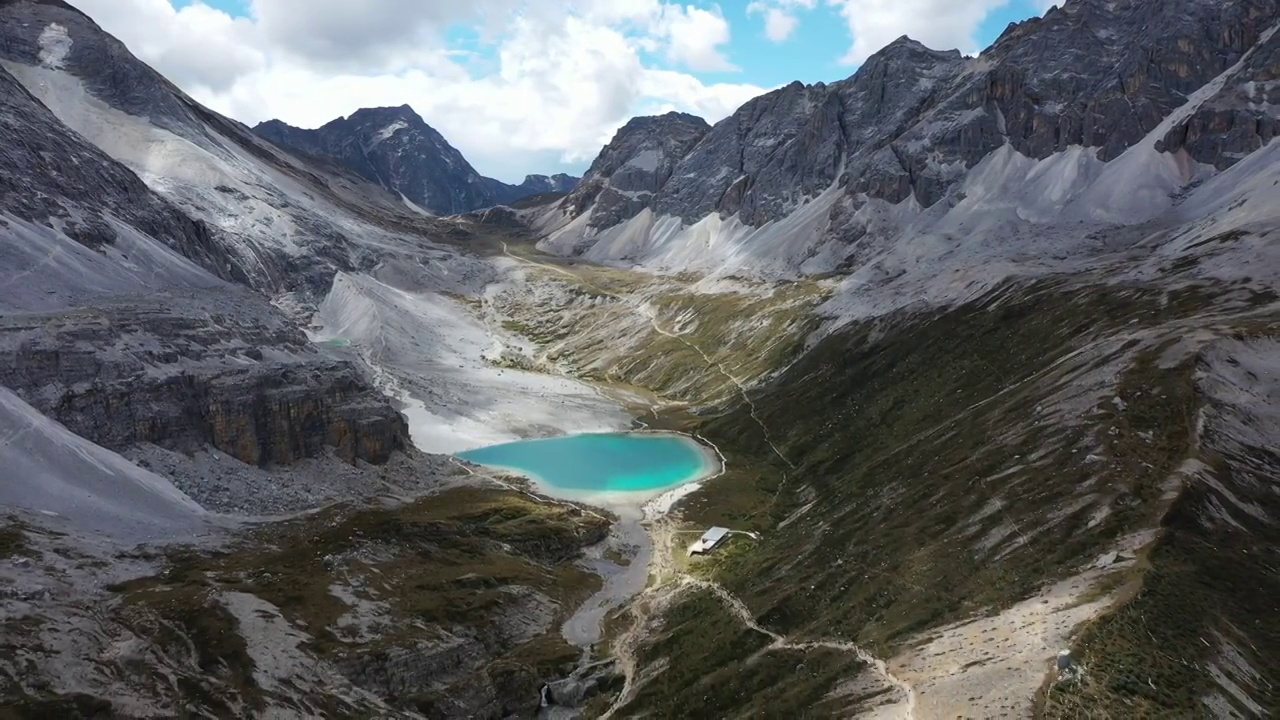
column 604, row 462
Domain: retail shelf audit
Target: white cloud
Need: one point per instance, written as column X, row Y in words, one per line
column 872, row 24
column 196, row 47
column 778, row 25
column 939, row 24
column 553, row 82
column 780, row 21
column 694, row 37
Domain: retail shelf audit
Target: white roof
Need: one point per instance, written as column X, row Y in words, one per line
column 714, row 535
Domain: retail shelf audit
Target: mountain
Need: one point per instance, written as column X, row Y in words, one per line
column 558, row 183
column 397, row 149
column 634, row 166
column 980, row 355
column 1093, row 98
column 185, row 313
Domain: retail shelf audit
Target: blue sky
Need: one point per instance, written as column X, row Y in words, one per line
column 811, row 55
column 537, row 95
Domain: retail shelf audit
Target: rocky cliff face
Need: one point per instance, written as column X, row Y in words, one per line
column 913, row 122
column 209, row 365
column 558, row 183
column 54, row 178
column 397, row 149
column 1239, row 117
column 240, row 380
column 634, row 166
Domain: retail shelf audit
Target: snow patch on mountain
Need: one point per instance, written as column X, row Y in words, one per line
column 390, row 130
column 55, row 46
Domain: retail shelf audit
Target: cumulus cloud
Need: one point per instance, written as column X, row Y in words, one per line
column 780, row 21
column 197, row 47
column 553, row 82
column 939, row 24
column 694, row 37
column 872, row 24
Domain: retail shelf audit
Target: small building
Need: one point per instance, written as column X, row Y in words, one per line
column 709, row 540
column 1065, row 661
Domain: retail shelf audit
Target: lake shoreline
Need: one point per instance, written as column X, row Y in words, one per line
column 647, row 502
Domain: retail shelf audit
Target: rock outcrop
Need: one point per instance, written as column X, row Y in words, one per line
column 629, row 172
column 911, row 122
column 558, row 183
column 209, row 365
column 51, row 176
column 395, row 148
column 181, row 377
column 1239, row 118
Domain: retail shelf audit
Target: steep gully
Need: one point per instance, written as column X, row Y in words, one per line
column 661, row 561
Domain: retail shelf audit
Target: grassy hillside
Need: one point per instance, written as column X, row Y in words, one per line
column 941, row 466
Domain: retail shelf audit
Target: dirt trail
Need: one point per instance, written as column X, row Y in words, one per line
column 648, row 314
column 669, row 582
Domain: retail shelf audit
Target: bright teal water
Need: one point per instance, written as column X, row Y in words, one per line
column 615, row 462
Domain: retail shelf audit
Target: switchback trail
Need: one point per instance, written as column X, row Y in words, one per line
column 670, row 581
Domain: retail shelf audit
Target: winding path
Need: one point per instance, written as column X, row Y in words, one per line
column 671, row 582
column 644, row 310
column 662, row 566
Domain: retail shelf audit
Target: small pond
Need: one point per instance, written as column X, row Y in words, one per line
column 601, row 465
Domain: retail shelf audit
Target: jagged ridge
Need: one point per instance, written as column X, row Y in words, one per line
column 395, row 148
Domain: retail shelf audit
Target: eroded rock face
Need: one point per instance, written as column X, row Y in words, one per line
column 166, row 371
column 53, row 177
column 634, row 167
column 912, row 121
column 558, row 183
column 395, row 148
column 1240, row 118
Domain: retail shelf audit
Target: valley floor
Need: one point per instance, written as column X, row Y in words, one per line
column 932, row 505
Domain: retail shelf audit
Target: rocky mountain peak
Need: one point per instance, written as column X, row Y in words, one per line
column 906, row 48
column 635, row 165
column 401, row 113
column 661, row 134
column 671, row 118
column 558, row 183
column 1093, row 77
column 396, row 148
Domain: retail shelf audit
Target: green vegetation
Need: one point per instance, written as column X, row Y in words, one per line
column 187, row 621
column 13, row 540
column 716, row 667
column 449, row 560
column 945, row 464
column 1210, row 585
column 615, row 326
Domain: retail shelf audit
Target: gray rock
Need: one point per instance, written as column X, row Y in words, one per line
column 397, row 149
column 1239, row 118
column 634, row 166
column 911, row 121
column 558, row 183
column 51, row 176
column 180, row 376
